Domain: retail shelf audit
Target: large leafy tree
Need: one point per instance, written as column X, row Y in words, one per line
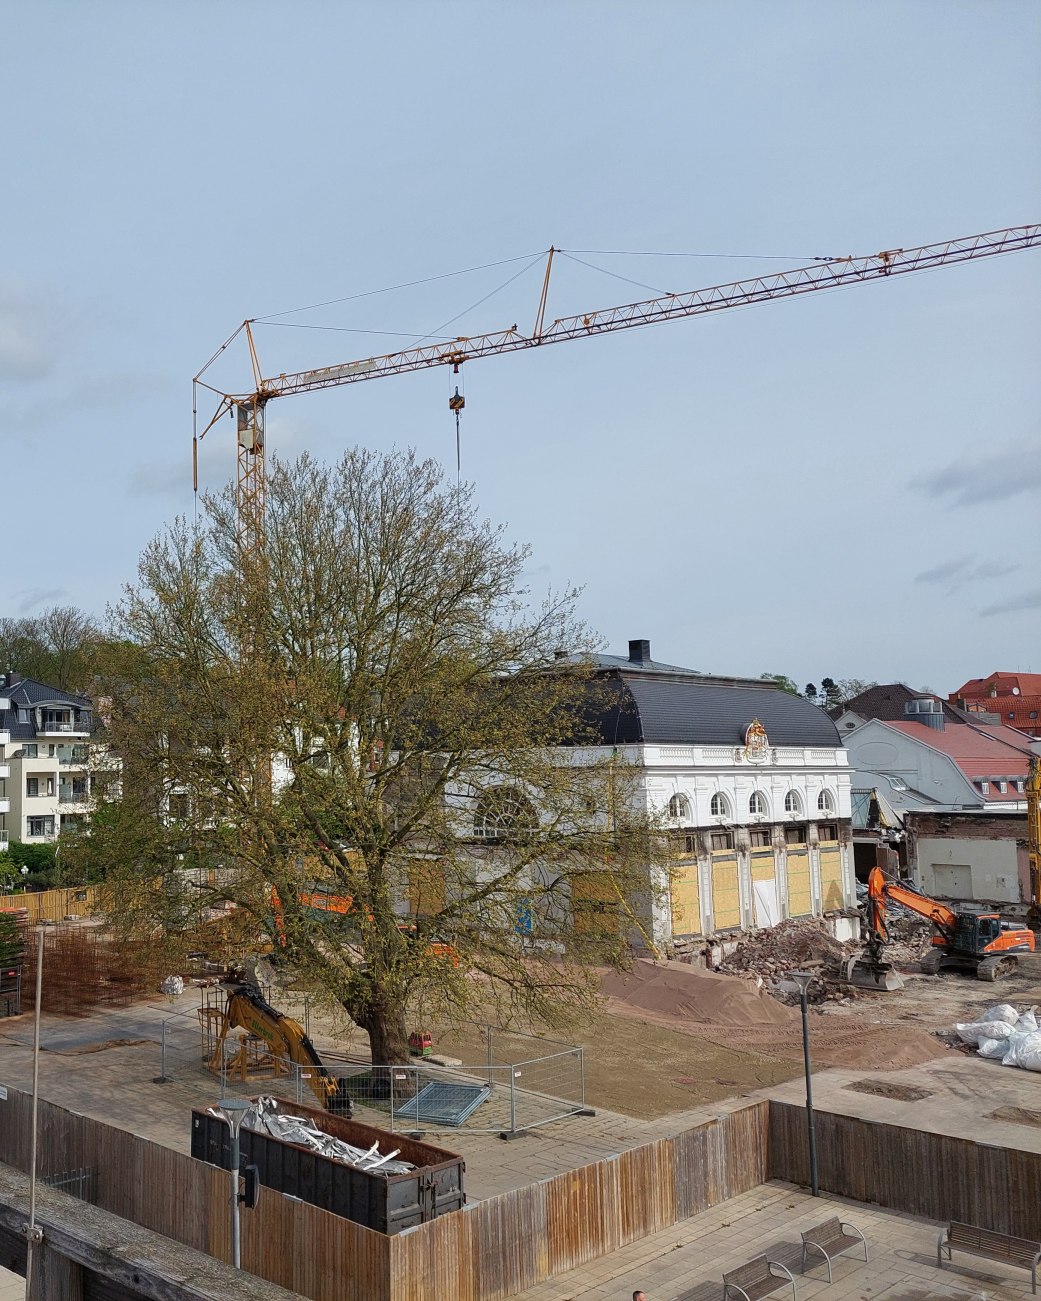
column 434, row 766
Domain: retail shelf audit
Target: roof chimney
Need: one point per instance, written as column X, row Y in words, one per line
column 639, row 652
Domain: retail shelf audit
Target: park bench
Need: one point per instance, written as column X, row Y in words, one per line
column 757, row 1279
column 831, row 1239
column 991, row 1246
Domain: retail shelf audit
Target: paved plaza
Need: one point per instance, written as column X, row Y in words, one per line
column 687, row 1261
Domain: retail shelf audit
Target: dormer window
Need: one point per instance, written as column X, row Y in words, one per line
column 984, row 786
column 1002, row 787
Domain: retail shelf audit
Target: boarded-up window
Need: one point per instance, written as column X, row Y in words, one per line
column 800, row 900
column 831, row 880
column 726, row 895
column 595, row 904
column 686, row 901
column 426, row 888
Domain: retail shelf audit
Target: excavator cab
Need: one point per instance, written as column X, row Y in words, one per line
column 975, row 932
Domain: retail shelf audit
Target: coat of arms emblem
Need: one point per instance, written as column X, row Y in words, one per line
column 757, row 743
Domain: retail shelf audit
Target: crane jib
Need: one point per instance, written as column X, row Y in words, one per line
column 740, row 293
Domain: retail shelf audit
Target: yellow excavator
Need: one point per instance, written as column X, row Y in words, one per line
column 1034, row 842
column 249, row 1010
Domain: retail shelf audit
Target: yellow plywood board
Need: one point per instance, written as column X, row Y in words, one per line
column 726, row 894
column 763, row 867
column 595, row 903
column 800, row 899
column 831, row 879
column 686, row 900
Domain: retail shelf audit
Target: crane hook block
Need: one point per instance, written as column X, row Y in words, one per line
column 456, row 402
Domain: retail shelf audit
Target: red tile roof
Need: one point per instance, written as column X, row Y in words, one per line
column 990, row 753
column 1023, row 712
column 1004, row 684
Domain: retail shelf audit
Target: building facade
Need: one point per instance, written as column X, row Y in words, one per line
column 955, row 798
column 44, row 760
column 754, row 785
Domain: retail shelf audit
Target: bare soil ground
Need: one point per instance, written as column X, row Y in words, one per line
column 649, row 1070
column 673, row 1037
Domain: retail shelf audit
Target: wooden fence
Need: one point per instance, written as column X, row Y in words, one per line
column 492, row 1249
column 508, row 1243
column 52, row 905
column 933, row 1175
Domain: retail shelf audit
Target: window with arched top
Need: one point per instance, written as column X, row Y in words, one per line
column 720, row 806
column 503, row 814
column 792, row 803
column 757, row 804
column 826, row 802
column 679, row 809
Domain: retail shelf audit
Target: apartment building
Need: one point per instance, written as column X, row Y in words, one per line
column 44, row 760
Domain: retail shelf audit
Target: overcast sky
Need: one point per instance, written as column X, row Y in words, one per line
column 844, row 484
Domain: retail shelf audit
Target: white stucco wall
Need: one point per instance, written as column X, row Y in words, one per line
column 969, row 869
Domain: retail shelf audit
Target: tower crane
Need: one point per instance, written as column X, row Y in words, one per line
column 249, row 407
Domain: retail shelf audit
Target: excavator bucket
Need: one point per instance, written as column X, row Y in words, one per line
column 872, row 975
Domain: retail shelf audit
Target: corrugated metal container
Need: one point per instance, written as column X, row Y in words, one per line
column 387, row 1203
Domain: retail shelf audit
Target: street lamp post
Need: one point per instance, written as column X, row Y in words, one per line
column 802, row 979
column 233, row 1112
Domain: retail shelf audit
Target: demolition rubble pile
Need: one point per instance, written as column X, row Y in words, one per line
column 774, row 953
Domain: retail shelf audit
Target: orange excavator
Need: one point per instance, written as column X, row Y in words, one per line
column 979, row 942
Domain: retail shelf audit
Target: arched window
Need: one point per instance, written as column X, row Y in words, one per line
column 792, row 803
column 720, row 806
column 825, row 802
column 679, row 809
column 503, row 814
column 757, row 804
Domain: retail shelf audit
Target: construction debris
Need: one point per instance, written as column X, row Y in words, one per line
column 773, row 954
column 265, row 1117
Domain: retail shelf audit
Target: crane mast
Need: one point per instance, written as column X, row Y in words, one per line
column 249, row 407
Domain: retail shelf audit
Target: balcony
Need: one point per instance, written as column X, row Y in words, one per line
column 4, row 842
column 58, row 727
column 5, row 771
column 73, row 759
column 5, row 805
column 5, row 737
column 67, row 795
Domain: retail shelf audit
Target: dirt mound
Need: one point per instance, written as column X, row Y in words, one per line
column 674, row 989
column 878, row 1048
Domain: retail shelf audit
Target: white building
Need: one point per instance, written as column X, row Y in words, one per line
column 755, row 784
column 44, row 760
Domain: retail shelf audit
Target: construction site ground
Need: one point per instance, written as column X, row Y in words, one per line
column 649, row 1072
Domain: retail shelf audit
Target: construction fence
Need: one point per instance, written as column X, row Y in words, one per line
column 52, row 905
column 523, row 1082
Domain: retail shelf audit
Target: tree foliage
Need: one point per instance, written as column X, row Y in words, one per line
column 57, row 646
column 783, row 681
column 426, row 732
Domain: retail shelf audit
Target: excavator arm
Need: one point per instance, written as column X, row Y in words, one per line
column 248, row 1009
column 880, row 890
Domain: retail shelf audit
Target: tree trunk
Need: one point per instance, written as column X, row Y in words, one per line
column 388, row 1035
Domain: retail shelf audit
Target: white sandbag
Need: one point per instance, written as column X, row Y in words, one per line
column 1000, row 1012
column 1024, row 1050
column 971, row 1032
column 992, row 1048
column 1028, row 1021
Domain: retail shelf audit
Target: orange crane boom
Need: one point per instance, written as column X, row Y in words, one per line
column 249, row 406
